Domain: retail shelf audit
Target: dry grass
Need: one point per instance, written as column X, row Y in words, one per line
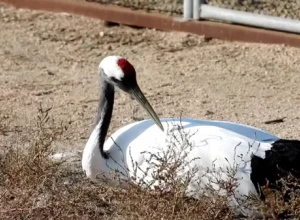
column 35, row 187
column 283, row 203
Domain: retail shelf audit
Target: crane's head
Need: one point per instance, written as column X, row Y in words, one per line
column 120, row 72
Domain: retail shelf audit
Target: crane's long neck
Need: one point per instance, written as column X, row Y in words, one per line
column 105, row 110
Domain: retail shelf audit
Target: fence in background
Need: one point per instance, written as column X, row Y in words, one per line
column 198, row 9
column 270, row 14
column 107, row 11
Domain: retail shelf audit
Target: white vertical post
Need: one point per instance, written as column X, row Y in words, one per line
column 196, row 9
column 187, row 9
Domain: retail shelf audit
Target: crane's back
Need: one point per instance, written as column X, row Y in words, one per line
column 147, row 131
column 212, row 141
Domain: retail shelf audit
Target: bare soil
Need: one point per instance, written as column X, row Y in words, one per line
column 285, row 9
column 51, row 60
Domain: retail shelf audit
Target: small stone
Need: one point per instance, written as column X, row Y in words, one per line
column 50, row 73
column 109, row 47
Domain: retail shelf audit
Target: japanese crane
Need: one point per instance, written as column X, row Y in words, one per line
column 133, row 149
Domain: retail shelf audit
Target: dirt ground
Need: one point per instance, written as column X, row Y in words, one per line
column 285, row 9
column 52, row 59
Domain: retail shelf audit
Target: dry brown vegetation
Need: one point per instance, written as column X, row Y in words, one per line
column 33, row 187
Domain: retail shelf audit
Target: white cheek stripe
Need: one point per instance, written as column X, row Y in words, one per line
column 111, row 68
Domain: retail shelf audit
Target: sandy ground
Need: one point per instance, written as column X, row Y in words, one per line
column 285, row 9
column 52, row 59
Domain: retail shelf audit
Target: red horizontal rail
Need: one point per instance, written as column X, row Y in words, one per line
column 161, row 22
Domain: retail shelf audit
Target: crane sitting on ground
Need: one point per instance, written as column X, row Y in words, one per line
column 132, row 150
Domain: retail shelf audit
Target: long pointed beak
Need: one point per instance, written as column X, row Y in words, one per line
column 139, row 96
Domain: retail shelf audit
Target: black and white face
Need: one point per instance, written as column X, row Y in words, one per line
column 120, row 72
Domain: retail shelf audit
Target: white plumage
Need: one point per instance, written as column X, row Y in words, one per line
column 111, row 67
column 217, row 144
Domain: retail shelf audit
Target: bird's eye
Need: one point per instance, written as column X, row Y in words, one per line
column 114, row 79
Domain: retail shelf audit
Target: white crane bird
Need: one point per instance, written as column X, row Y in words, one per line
column 258, row 155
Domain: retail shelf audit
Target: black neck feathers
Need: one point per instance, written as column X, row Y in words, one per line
column 105, row 110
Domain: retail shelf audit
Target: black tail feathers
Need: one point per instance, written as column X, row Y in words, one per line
column 280, row 161
column 285, row 154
